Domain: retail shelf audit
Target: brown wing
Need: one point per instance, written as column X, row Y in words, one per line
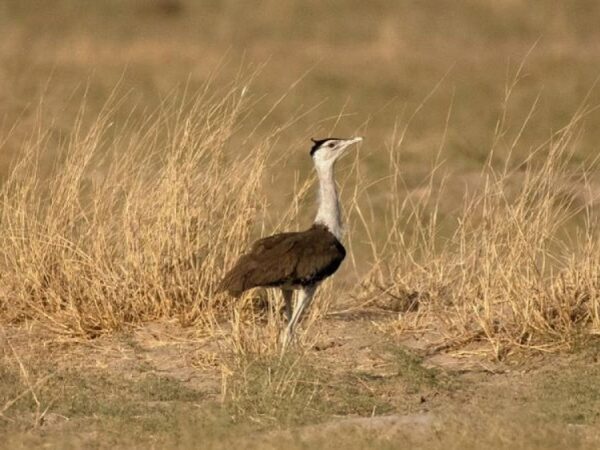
column 290, row 259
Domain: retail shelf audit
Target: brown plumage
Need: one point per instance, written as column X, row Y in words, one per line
column 287, row 260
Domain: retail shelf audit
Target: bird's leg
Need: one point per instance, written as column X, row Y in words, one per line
column 305, row 297
column 287, row 298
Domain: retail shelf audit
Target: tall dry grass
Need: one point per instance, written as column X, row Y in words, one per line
column 138, row 221
column 519, row 269
column 135, row 222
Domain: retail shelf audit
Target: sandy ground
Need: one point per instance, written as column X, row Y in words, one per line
column 374, row 383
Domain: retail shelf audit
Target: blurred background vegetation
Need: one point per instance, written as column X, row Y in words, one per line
column 374, row 62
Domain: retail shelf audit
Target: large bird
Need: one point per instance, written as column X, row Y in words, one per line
column 298, row 260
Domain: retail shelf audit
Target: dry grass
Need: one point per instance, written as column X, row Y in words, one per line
column 138, row 221
column 140, row 225
column 128, row 229
column 125, row 205
column 518, row 269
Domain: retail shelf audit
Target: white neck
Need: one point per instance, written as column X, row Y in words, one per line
column 329, row 206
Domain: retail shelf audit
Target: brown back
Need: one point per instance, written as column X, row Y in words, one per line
column 286, row 259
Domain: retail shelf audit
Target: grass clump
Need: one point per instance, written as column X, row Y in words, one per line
column 293, row 391
column 410, row 368
column 129, row 226
column 515, row 267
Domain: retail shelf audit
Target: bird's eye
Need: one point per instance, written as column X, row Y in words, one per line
column 331, row 145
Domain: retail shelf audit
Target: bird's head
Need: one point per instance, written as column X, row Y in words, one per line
column 325, row 152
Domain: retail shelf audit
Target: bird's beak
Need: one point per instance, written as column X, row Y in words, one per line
column 349, row 142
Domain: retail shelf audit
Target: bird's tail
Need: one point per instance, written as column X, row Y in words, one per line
column 232, row 283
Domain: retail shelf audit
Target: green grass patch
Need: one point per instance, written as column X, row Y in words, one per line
column 148, row 402
column 295, row 391
column 570, row 395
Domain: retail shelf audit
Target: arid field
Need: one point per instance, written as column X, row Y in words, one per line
column 145, row 144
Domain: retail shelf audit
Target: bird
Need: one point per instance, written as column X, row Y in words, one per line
column 301, row 260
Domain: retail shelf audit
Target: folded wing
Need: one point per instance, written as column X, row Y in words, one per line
column 286, row 260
